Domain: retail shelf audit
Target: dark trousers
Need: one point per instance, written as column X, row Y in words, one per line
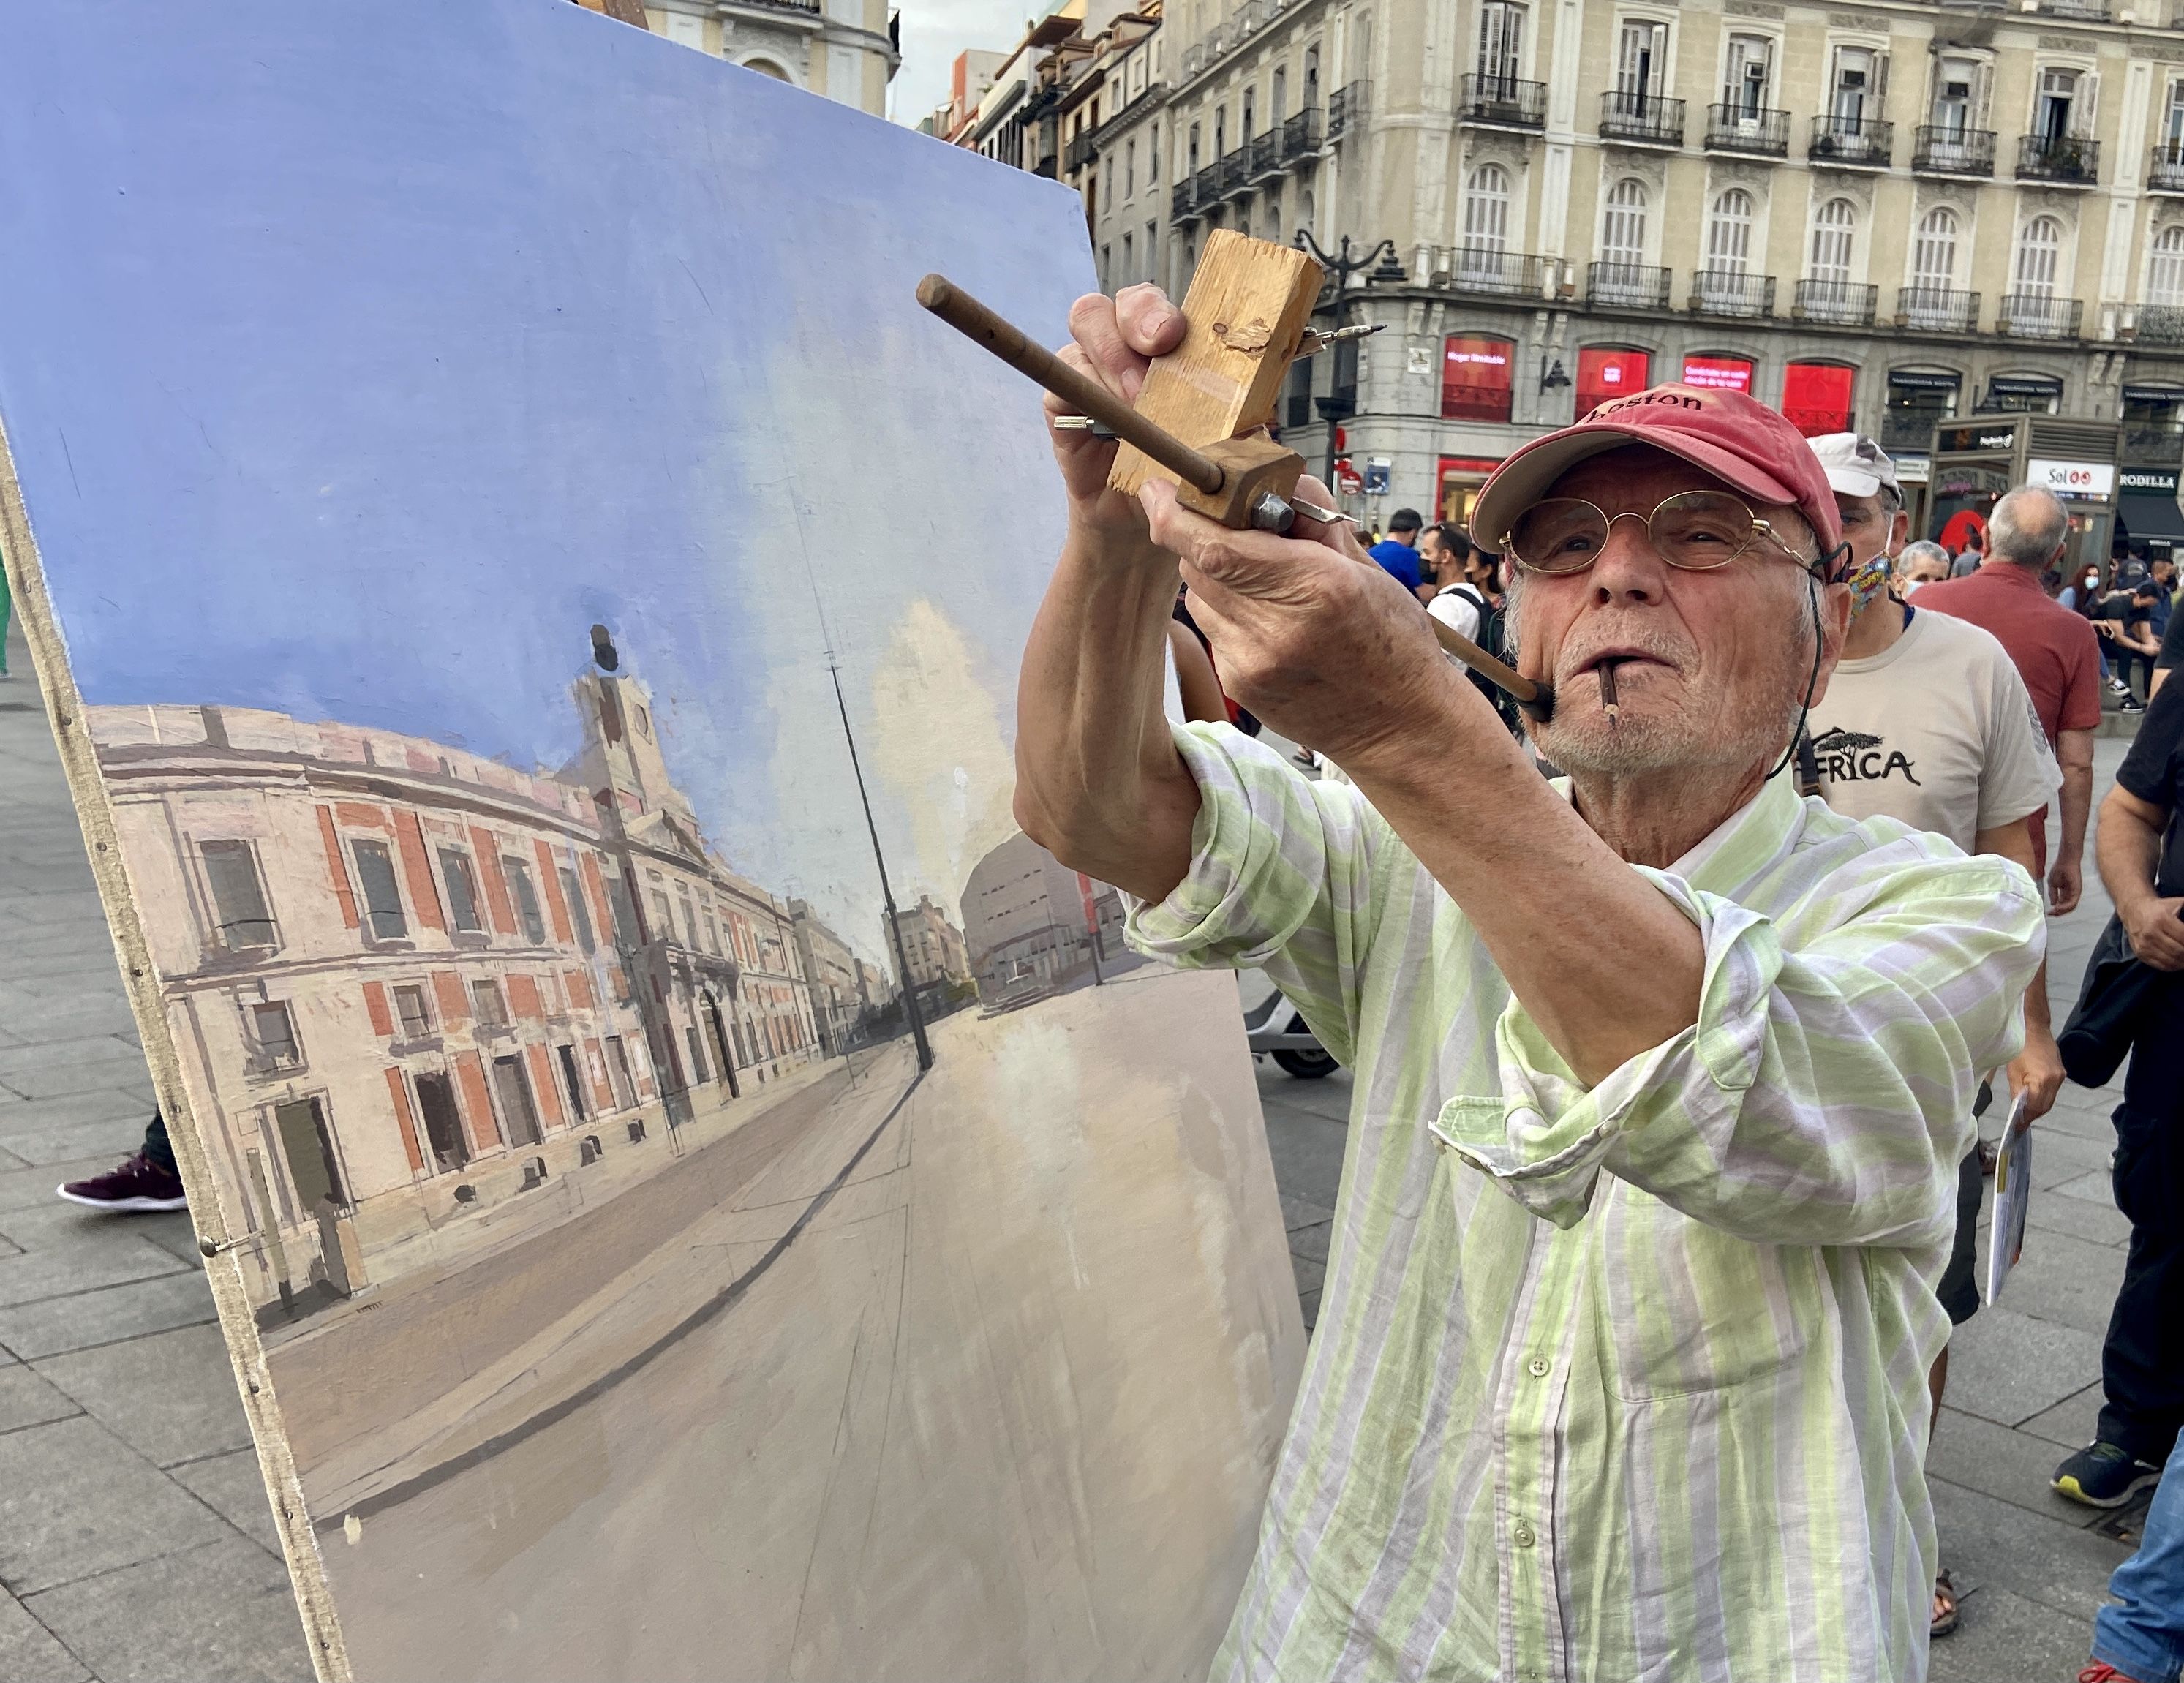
column 158, row 1152
column 2142, row 1363
column 2129, row 661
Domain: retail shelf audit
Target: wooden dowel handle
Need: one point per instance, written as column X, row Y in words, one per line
column 972, row 318
column 1535, row 699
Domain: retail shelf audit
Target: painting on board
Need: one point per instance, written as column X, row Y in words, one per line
column 530, row 608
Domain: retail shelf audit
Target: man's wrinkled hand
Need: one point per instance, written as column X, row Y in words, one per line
column 1113, row 340
column 2156, row 934
column 2037, row 1072
column 2065, row 887
column 1309, row 632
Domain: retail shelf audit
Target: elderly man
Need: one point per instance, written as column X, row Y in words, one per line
column 2056, row 654
column 1661, row 1080
column 1921, row 563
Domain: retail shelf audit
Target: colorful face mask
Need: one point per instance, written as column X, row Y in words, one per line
column 1867, row 582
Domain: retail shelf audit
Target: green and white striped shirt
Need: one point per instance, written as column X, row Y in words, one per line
column 1626, row 1382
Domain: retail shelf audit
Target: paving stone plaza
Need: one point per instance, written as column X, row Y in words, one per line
column 134, row 1543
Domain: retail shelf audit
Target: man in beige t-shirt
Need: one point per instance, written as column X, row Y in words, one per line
column 1926, row 721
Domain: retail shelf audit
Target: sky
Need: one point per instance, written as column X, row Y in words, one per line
column 933, row 31
column 371, row 353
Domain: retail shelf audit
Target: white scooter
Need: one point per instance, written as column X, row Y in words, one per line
column 1276, row 1028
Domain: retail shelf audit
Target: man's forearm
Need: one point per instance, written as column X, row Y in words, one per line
column 2127, row 854
column 2076, row 801
column 1099, row 782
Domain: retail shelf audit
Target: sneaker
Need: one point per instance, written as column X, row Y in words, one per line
column 138, row 1184
column 2118, row 686
column 2130, row 703
column 2099, row 1672
column 2104, row 1475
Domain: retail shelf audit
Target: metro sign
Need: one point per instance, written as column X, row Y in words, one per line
column 2091, row 480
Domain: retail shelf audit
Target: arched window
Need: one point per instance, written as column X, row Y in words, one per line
column 1934, row 257
column 1486, row 209
column 2164, row 274
column 1831, row 242
column 1623, row 231
column 1729, row 233
column 766, row 67
column 2039, row 248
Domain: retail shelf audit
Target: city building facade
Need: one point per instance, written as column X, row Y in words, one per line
column 408, row 983
column 1883, row 216
column 932, row 946
column 847, row 50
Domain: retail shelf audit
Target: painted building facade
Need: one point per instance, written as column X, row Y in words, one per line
column 408, row 984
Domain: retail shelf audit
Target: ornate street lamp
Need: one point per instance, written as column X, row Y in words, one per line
column 1342, row 401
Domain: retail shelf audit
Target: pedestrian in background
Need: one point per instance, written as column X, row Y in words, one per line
column 2055, row 652
column 2141, row 863
column 1926, row 722
column 2127, row 622
column 2142, row 1640
column 1441, row 549
column 1921, row 563
column 1396, row 553
column 1971, row 556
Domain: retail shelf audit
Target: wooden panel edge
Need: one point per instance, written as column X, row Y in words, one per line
column 25, row 572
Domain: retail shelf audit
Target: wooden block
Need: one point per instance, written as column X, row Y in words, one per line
column 1247, row 309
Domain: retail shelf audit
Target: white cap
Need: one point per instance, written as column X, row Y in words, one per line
column 1856, row 466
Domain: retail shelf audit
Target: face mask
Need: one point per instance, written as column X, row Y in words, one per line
column 1866, row 582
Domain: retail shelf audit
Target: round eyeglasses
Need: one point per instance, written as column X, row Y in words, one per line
column 1693, row 530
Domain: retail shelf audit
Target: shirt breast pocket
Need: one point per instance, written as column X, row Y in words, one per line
column 1683, row 1309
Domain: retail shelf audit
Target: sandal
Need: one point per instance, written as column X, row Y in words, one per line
column 1945, row 1604
column 1989, row 1152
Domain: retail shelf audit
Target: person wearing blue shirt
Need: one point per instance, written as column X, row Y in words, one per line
column 1397, row 552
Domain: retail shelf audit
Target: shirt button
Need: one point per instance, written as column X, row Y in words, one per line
column 1537, row 1367
column 1521, row 1535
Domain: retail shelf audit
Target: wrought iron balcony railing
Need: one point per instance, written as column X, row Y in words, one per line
column 1857, row 142
column 1346, row 108
column 2165, row 168
column 2161, row 324
column 1474, row 268
column 1763, row 133
column 1626, row 286
column 1206, row 188
column 1301, row 134
column 2038, row 316
column 1235, row 172
column 1180, row 208
column 2155, row 441
column 1942, row 150
column 1841, row 304
column 1938, row 309
column 1265, row 154
column 1909, row 429
column 1502, row 102
column 2077, row 11
column 1079, row 152
column 2058, row 158
column 1645, row 119
column 1730, row 291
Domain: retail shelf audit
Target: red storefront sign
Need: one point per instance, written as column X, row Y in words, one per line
column 1718, row 373
column 1603, row 373
column 1477, row 379
column 1816, row 397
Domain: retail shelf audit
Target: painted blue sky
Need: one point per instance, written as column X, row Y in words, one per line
column 357, row 357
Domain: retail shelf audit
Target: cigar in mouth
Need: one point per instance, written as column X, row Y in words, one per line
column 1607, row 691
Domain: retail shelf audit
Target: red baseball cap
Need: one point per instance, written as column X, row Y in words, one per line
column 1747, row 446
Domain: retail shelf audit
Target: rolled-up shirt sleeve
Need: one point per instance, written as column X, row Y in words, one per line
column 1824, row 1096
column 1281, row 877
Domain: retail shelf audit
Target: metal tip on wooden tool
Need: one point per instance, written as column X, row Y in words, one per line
column 1083, row 423
column 1318, row 339
column 1324, row 517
